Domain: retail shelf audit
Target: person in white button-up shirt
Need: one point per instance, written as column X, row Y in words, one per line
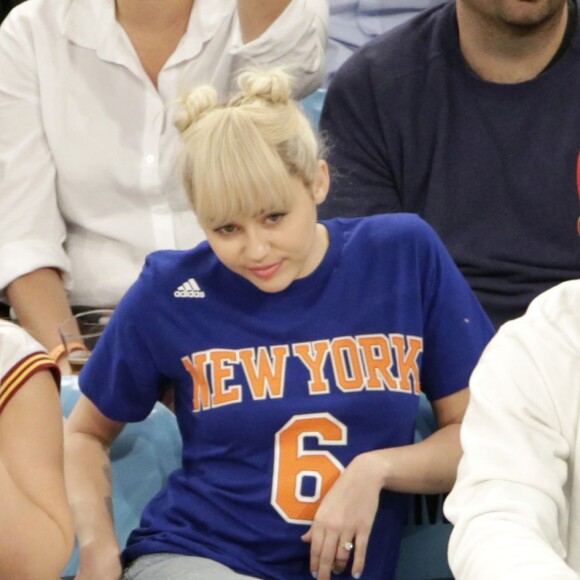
column 88, row 177
column 516, row 502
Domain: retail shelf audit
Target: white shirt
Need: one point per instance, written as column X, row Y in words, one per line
column 516, row 503
column 88, row 177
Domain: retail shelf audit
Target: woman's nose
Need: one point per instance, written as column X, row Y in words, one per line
column 257, row 245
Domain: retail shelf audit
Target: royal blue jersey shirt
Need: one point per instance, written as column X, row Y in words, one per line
column 276, row 393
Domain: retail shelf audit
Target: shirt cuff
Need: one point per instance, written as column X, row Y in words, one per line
column 23, row 257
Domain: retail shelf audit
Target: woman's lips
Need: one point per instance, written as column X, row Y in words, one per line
column 266, row 272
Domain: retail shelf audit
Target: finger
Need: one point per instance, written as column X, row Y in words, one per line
column 316, row 543
column 327, row 555
column 344, row 549
column 360, row 554
column 338, row 566
column 343, row 552
column 307, row 537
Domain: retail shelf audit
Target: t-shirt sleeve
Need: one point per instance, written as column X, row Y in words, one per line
column 21, row 357
column 121, row 377
column 456, row 328
column 362, row 182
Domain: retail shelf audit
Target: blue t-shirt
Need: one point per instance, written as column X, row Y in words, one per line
column 276, row 393
column 492, row 167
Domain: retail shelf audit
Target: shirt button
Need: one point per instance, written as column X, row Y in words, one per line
column 150, row 159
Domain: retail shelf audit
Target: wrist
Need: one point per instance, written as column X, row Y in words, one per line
column 60, row 350
column 373, row 468
column 104, row 548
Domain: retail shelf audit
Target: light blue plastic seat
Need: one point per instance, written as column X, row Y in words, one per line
column 312, row 106
column 142, row 458
column 424, row 547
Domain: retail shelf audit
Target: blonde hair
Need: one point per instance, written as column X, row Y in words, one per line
column 238, row 159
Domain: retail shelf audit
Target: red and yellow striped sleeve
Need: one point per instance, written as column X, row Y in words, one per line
column 22, row 371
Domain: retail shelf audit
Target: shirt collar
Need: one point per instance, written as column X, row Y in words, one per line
column 92, row 24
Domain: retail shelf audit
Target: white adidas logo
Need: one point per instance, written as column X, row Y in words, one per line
column 189, row 289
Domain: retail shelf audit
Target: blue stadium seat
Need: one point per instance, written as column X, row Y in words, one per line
column 312, row 106
column 424, row 548
column 142, row 458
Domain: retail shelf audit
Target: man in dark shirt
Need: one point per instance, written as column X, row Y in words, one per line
column 469, row 114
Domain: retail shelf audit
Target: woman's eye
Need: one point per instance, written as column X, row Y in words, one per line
column 226, row 230
column 274, row 218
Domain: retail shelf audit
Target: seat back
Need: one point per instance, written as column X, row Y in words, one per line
column 142, row 458
column 312, row 106
column 423, row 553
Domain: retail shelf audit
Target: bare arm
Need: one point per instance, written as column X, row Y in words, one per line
column 348, row 510
column 256, row 16
column 41, row 305
column 88, row 437
column 429, row 466
column 35, row 522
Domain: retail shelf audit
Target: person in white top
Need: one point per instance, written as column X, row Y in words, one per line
column 516, row 503
column 36, row 530
column 88, row 178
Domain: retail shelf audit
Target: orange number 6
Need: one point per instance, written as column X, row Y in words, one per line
column 292, row 463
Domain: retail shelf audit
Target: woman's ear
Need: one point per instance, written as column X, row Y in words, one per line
column 322, row 183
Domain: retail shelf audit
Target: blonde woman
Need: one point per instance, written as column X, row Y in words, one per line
column 36, row 528
column 297, row 350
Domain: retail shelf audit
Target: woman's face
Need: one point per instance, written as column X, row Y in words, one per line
column 271, row 250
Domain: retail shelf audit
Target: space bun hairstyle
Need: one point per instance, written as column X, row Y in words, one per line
column 238, row 158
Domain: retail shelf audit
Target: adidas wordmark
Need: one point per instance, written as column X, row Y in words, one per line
column 189, row 289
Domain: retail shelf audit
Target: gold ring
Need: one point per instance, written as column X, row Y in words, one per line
column 348, row 546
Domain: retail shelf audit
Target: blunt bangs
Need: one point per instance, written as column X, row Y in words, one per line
column 246, row 179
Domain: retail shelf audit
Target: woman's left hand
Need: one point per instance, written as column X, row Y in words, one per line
column 344, row 520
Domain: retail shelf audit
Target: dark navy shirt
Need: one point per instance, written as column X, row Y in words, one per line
column 492, row 167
